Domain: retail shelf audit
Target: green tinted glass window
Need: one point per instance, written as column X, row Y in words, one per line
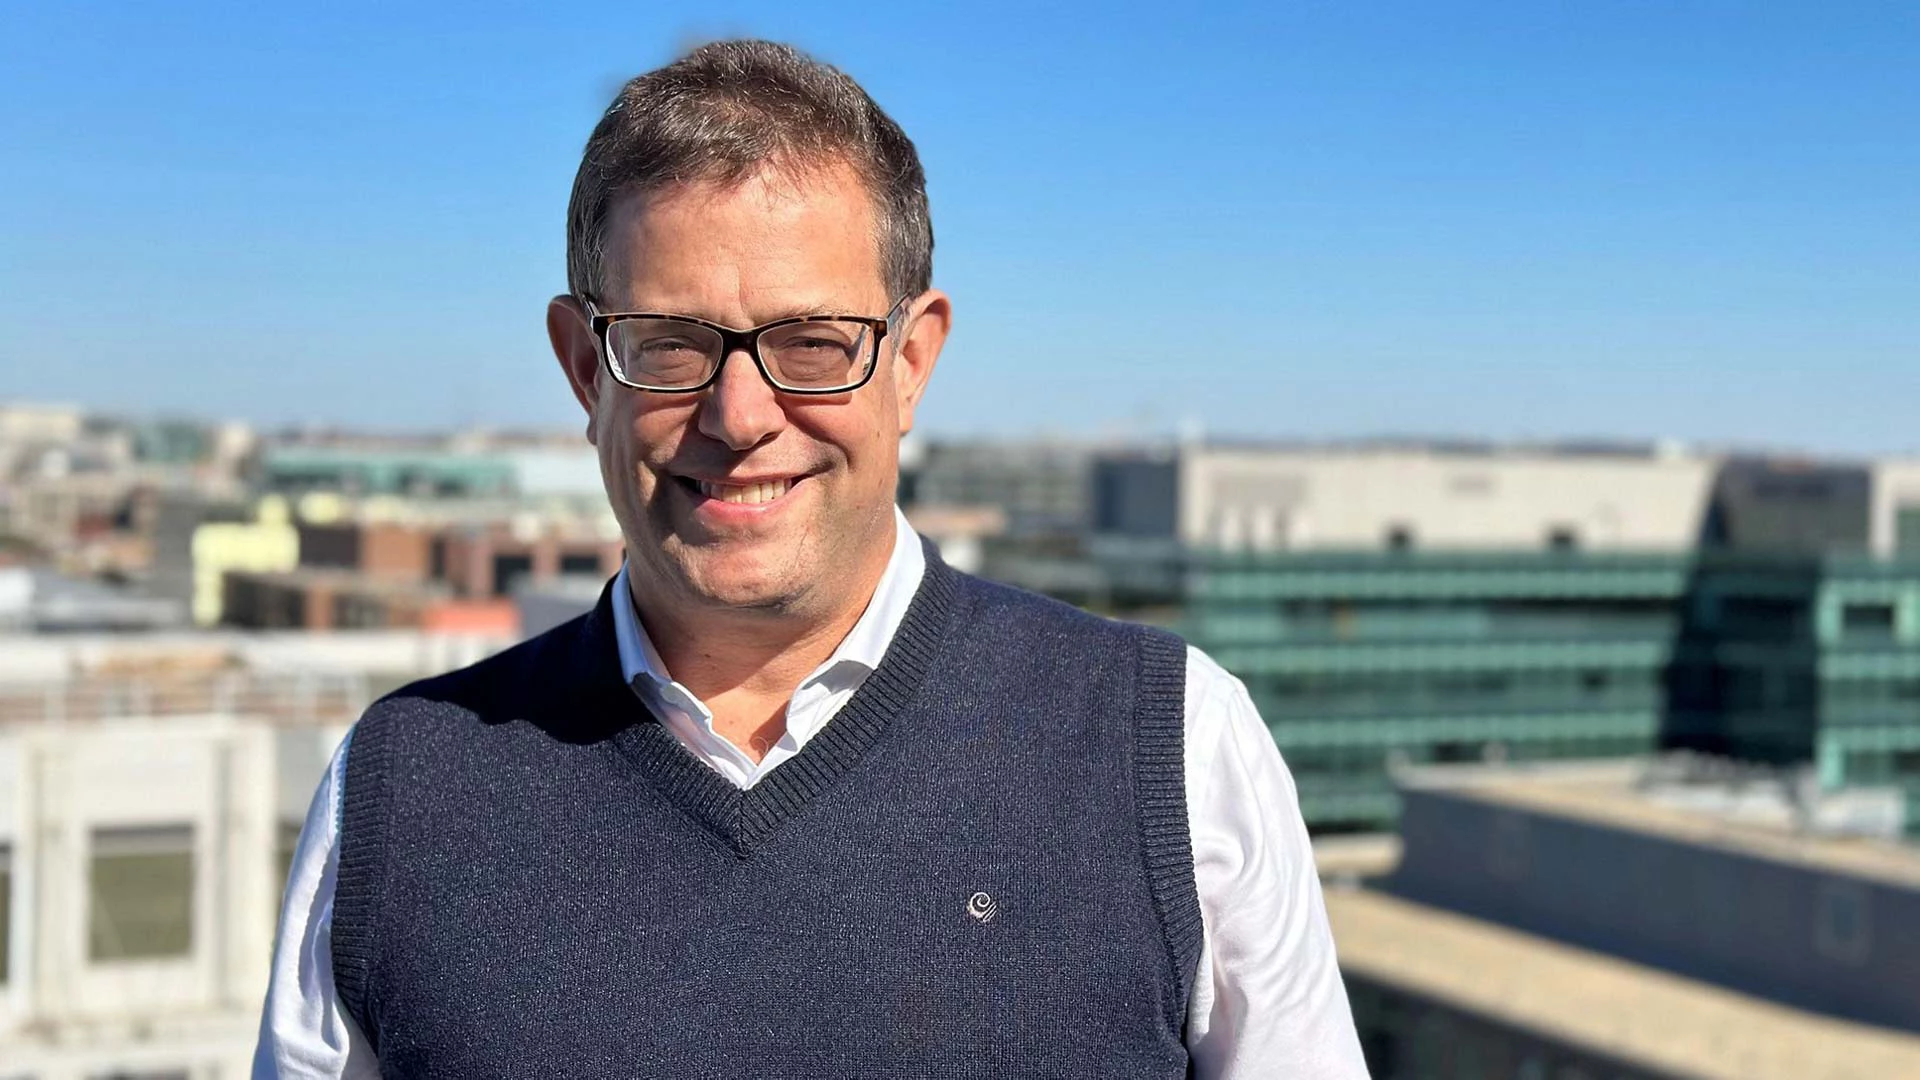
column 140, row 893
column 1906, row 531
column 6, row 914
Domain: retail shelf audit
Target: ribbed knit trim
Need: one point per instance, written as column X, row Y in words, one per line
column 1160, row 794
column 361, row 876
column 745, row 819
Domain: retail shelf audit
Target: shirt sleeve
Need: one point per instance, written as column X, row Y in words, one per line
column 304, row 1033
column 1267, row 999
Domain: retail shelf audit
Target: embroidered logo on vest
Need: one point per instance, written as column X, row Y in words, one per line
column 982, row 907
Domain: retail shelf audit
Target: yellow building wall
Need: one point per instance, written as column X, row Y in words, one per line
column 268, row 543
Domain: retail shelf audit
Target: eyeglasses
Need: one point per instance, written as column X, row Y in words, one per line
column 679, row 354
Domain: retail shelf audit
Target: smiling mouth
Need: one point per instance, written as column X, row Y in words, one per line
column 744, row 494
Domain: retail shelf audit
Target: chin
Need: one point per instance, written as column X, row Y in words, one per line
column 761, row 576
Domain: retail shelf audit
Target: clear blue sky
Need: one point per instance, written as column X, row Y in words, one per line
column 1629, row 218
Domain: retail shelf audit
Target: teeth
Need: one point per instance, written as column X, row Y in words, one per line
column 745, row 493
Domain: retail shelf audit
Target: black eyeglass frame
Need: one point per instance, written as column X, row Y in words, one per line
column 731, row 341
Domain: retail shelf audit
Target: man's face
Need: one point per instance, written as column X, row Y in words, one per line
column 739, row 496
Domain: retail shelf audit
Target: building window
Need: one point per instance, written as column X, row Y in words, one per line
column 1906, row 530
column 286, row 842
column 1451, row 752
column 1866, row 622
column 6, row 914
column 140, row 893
column 1843, row 922
column 581, row 563
column 508, row 570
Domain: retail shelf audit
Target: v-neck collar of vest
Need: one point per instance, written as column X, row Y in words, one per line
column 745, row 819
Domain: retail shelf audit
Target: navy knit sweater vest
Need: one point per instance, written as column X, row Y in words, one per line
column 979, row 868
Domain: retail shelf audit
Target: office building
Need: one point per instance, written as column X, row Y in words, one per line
column 1039, row 488
column 1361, row 661
column 1390, row 605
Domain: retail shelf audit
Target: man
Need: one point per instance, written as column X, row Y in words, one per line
column 795, row 799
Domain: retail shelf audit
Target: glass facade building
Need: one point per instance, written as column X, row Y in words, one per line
column 1360, row 661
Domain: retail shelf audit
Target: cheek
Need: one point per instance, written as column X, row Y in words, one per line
column 653, row 435
column 859, row 430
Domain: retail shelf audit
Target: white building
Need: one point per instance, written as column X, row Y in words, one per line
column 141, row 862
column 1895, row 522
column 151, row 790
column 1373, row 498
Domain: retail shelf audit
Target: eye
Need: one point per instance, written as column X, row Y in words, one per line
column 817, row 343
column 665, row 346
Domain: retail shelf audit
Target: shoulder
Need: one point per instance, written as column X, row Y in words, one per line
column 999, row 606
column 1213, row 693
column 1223, row 725
column 1044, row 647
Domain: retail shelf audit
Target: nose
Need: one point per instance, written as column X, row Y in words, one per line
column 740, row 409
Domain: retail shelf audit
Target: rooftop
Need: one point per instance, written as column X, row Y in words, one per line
column 1669, row 798
column 1588, row 999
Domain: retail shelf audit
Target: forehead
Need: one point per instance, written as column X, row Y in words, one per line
column 807, row 236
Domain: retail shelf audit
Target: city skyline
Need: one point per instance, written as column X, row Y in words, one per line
column 1644, row 223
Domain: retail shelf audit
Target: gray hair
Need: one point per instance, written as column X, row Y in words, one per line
column 728, row 109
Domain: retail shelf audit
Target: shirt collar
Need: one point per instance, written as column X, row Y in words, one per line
column 865, row 645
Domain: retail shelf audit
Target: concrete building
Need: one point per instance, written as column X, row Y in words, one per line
column 41, row 600
column 50, row 669
column 268, row 542
column 151, row 789
column 1664, row 918
column 326, row 599
column 547, row 604
column 197, row 539
column 59, row 512
column 27, row 423
column 495, row 560
column 141, row 862
column 1895, row 529
column 1260, row 498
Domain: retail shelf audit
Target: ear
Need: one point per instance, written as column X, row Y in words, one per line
column 926, row 323
column 571, row 335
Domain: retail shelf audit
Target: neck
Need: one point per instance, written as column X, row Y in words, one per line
column 745, row 664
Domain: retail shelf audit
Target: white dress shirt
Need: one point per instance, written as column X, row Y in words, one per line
column 1267, row 998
